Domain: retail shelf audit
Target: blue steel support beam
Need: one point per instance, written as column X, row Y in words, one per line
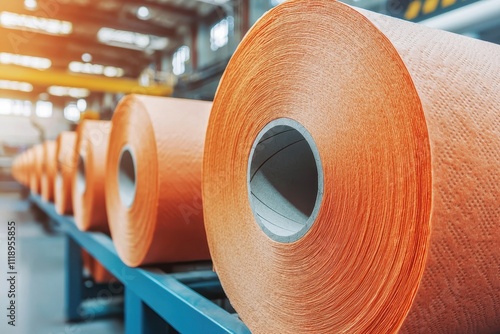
column 134, row 314
column 176, row 303
column 141, row 319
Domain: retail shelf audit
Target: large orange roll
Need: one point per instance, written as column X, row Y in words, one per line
column 153, row 181
column 65, row 153
column 351, row 179
column 17, row 168
column 28, row 166
column 36, row 172
column 89, row 205
column 48, row 170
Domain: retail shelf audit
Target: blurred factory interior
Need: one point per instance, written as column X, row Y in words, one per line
column 62, row 61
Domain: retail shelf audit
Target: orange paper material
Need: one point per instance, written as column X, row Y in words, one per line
column 89, row 205
column 65, row 153
column 25, row 167
column 153, row 180
column 406, row 124
column 36, row 173
column 96, row 270
column 48, row 170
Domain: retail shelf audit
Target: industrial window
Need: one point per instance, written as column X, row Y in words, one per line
column 219, row 34
column 179, row 59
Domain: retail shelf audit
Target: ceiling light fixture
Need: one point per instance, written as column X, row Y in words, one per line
column 81, row 104
column 30, row 4
column 16, row 85
column 76, row 93
column 34, row 23
column 143, row 13
column 131, row 40
column 72, row 112
column 26, row 61
column 87, row 57
column 179, row 59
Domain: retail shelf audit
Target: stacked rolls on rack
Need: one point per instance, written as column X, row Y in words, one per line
column 22, row 167
column 30, row 161
column 153, row 180
column 65, row 153
column 81, row 159
column 48, row 170
column 351, row 179
column 36, row 173
column 88, row 198
column 95, row 269
column 25, row 167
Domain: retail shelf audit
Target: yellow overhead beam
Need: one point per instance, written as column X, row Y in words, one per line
column 90, row 82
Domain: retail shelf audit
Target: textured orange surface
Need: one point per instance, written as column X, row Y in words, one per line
column 164, row 223
column 96, row 269
column 89, row 205
column 407, row 126
column 48, row 170
column 36, row 172
column 65, row 153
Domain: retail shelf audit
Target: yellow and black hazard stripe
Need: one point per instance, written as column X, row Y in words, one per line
column 416, row 10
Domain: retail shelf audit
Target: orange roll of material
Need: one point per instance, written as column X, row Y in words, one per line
column 28, row 166
column 95, row 269
column 100, row 274
column 153, row 181
column 351, row 178
column 65, row 153
column 89, row 205
column 48, row 170
column 15, row 168
column 36, row 170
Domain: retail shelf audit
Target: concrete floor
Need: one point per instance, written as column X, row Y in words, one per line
column 40, row 266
